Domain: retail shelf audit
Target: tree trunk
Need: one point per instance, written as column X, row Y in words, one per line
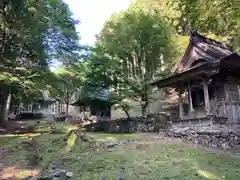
column 4, row 96
column 143, row 109
column 67, row 97
column 59, row 110
column 101, row 115
column 7, row 107
column 32, row 107
column 67, row 105
column 85, row 116
column 126, row 112
column 2, row 112
column 144, row 105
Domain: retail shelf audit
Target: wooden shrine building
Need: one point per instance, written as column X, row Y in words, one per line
column 207, row 80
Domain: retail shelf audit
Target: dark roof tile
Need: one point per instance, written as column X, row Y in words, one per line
column 202, row 48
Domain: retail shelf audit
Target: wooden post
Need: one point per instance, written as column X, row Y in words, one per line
column 234, row 113
column 190, row 99
column 238, row 109
column 226, row 91
column 224, row 109
column 238, row 92
column 180, row 104
column 206, row 97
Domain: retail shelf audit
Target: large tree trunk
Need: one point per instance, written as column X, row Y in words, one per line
column 4, row 100
column 7, row 107
column 4, row 109
column 2, row 112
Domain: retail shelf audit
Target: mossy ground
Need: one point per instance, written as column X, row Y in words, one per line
column 146, row 160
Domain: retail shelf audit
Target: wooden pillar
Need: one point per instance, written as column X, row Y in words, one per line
column 238, row 110
column 238, row 92
column 206, row 96
column 190, row 99
column 180, row 102
column 224, row 109
column 226, row 91
column 234, row 112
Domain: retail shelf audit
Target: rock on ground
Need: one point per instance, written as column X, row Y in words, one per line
column 222, row 136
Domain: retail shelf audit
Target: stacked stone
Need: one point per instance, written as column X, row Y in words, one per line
column 224, row 136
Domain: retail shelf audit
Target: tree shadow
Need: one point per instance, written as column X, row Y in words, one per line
column 23, row 127
column 14, row 127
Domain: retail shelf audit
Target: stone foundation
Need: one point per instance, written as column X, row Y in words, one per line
column 151, row 123
column 221, row 136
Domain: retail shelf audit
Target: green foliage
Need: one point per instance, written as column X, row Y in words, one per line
column 136, row 45
column 221, row 17
column 32, row 33
column 217, row 19
column 132, row 48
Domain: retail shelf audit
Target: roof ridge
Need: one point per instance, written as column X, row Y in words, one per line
column 213, row 48
column 211, row 41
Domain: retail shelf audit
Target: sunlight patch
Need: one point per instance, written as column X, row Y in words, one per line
column 14, row 172
column 21, row 135
column 71, row 141
column 110, row 138
column 208, row 175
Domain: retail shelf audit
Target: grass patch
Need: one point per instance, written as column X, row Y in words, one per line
column 114, row 136
column 143, row 160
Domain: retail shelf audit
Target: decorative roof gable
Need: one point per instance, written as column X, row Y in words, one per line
column 202, row 50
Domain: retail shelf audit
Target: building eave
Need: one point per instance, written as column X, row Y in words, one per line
column 194, row 73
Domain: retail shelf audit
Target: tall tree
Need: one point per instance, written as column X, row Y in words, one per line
column 32, row 33
column 69, row 82
column 134, row 46
column 221, row 17
column 215, row 18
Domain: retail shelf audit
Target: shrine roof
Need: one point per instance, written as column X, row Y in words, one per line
column 202, row 50
column 202, row 57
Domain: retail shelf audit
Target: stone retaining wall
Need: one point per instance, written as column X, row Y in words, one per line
column 151, row 123
column 222, row 136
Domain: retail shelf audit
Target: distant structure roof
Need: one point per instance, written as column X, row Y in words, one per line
column 95, row 97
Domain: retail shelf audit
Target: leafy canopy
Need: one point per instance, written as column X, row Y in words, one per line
column 132, row 48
